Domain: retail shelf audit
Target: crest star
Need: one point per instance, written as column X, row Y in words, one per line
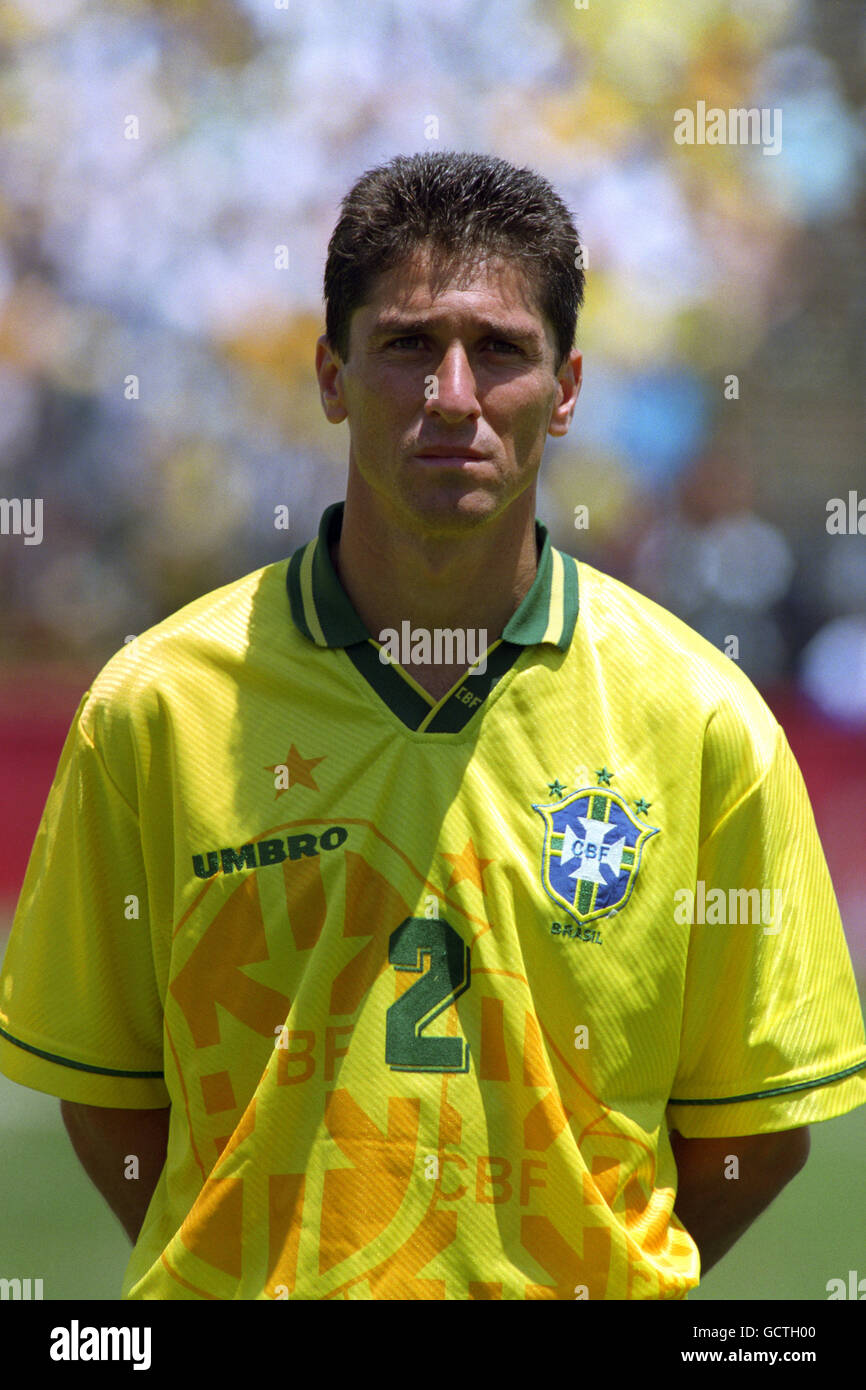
column 466, row 864
column 300, row 771
column 603, row 776
column 556, row 788
column 642, row 806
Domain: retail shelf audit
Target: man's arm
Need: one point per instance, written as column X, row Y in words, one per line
column 104, row 1139
column 716, row 1209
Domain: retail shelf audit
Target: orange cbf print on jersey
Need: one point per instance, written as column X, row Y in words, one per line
column 414, row 1178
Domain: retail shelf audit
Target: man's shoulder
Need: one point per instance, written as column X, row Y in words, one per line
column 675, row 665
column 613, row 612
column 223, row 628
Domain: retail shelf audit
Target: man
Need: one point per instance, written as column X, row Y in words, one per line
column 361, row 884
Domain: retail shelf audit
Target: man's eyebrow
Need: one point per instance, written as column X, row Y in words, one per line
column 388, row 324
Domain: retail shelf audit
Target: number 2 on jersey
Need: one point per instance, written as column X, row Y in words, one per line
column 407, row 1047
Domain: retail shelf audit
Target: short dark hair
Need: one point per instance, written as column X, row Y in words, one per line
column 464, row 207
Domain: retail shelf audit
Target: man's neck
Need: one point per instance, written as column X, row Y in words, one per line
column 471, row 583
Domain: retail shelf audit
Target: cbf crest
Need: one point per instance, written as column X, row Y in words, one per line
column 592, row 852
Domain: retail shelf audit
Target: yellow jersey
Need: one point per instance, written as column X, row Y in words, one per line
column 426, row 983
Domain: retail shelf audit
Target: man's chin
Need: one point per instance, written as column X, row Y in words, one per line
column 453, row 512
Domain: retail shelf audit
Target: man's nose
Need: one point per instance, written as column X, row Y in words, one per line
column 454, row 393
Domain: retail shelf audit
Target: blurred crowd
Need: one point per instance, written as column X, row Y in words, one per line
column 156, row 350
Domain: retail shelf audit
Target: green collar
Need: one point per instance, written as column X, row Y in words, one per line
column 323, row 612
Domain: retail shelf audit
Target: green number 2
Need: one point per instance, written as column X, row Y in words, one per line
column 406, row 1047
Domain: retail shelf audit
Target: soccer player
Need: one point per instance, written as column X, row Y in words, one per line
column 432, row 915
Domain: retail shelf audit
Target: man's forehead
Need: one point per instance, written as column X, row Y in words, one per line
column 424, row 285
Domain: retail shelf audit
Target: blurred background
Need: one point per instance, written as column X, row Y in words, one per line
column 170, row 174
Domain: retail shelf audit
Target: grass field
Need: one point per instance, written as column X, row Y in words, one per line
column 55, row 1226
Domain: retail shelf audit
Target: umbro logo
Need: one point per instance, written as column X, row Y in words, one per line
column 260, row 853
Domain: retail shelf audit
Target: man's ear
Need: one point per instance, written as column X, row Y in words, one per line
column 329, row 374
column 570, row 380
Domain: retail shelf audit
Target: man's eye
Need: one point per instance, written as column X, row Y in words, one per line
column 409, row 338
column 500, row 343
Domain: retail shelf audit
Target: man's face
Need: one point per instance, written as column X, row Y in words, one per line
column 459, row 363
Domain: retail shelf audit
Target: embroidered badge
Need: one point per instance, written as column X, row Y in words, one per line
column 592, row 851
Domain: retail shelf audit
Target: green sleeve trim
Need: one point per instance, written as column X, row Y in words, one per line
column 77, row 1066
column 776, row 1090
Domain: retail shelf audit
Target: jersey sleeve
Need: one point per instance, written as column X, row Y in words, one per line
column 80, row 1010
column 772, row 1031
